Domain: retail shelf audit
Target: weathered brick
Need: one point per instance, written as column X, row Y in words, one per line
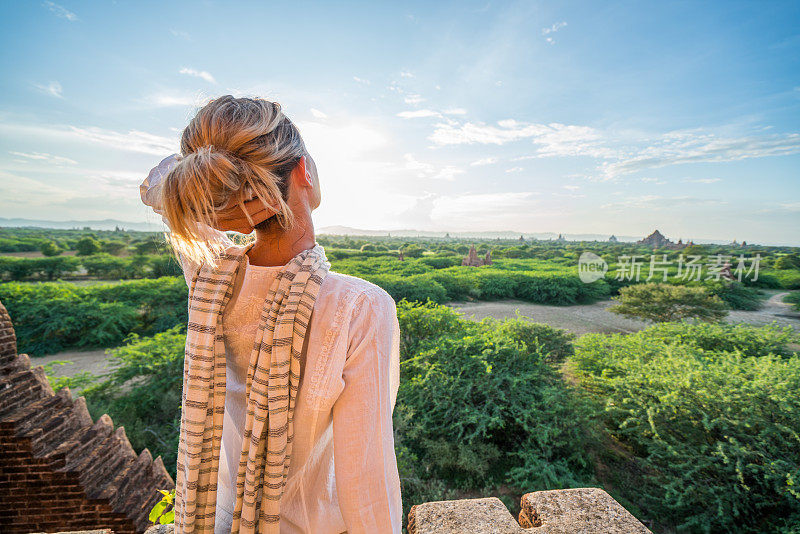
column 58, row 470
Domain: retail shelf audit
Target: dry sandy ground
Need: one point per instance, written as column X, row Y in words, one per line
column 580, row 320
column 586, row 318
column 94, row 361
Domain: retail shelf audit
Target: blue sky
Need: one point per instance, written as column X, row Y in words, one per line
column 571, row 117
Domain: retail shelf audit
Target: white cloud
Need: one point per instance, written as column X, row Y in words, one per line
column 181, row 34
column 483, row 161
column 547, row 32
column 490, row 209
column 205, row 75
column 167, row 100
column 554, row 28
column 515, row 170
column 361, row 80
column 132, row 141
column 430, row 171
column 790, row 206
column 571, row 187
column 406, row 74
column 317, row 114
column 42, row 156
column 60, row 11
column 52, row 89
column 703, row 180
column 419, row 113
column 660, row 203
column 477, row 133
column 675, row 148
column 414, row 99
column 620, row 155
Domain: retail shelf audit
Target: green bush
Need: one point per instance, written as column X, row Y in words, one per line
column 50, row 317
column 479, row 406
column 736, row 295
column 714, row 423
column 793, row 298
column 666, row 302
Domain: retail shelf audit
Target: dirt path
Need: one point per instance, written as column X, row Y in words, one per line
column 585, row 318
column 94, row 361
column 580, row 320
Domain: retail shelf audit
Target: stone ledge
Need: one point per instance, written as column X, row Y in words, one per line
column 570, row 511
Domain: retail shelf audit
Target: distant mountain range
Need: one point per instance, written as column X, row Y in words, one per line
column 110, row 224
column 104, row 224
column 503, row 234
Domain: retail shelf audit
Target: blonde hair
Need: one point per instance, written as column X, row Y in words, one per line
column 234, row 149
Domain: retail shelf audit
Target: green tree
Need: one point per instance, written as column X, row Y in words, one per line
column 790, row 261
column 49, row 249
column 115, row 248
column 87, row 246
column 664, row 302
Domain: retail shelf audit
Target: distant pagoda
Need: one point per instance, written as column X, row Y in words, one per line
column 657, row 240
column 473, row 260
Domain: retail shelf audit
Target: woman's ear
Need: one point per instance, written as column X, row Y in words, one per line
column 300, row 174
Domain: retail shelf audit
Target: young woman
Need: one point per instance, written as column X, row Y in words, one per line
column 291, row 370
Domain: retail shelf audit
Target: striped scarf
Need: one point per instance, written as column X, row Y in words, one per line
column 272, row 382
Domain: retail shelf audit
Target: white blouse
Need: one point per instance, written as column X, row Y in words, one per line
column 343, row 472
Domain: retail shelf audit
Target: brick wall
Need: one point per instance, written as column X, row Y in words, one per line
column 58, row 470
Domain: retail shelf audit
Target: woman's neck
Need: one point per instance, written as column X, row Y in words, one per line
column 277, row 246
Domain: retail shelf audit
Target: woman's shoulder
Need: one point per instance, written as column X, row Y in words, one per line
column 344, row 288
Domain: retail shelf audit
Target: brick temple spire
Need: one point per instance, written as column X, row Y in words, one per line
column 58, row 469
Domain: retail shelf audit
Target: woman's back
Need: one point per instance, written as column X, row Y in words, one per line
column 353, row 340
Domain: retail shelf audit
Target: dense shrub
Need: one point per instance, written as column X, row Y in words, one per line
column 794, row 299
column 736, row 295
column 714, row 423
column 666, row 302
column 748, row 339
column 51, row 317
column 479, row 406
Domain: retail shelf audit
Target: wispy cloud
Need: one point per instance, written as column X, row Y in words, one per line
column 660, row 203
column 618, row 155
column 362, row 81
column 181, row 34
column 413, row 99
column 547, row 32
column 428, row 170
column 675, row 148
column 552, row 139
column 132, row 141
column 166, row 100
column 51, row 88
column 60, row 11
column 703, row 180
column 317, row 114
column 498, row 209
column 204, row 74
column 406, row 74
column 515, row 170
column 42, row 156
column 483, row 161
column 418, row 114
